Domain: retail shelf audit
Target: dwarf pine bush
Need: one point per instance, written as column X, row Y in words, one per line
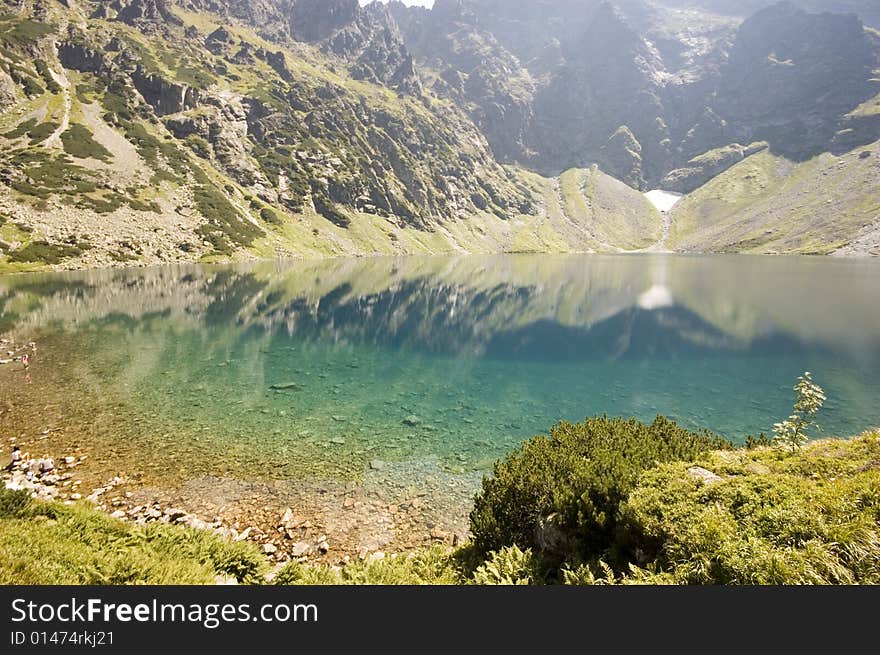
column 559, row 494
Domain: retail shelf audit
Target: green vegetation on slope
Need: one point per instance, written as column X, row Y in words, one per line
column 766, row 203
column 14, row 31
column 43, row 543
column 434, row 566
column 614, row 214
column 47, row 253
column 770, row 518
column 79, row 143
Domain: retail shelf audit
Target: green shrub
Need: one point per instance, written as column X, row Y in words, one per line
column 22, row 129
column 45, row 73
column 106, row 205
column 42, row 132
column 809, row 517
column 225, row 229
column 78, row 142
column 326, row 208
column 13, row 504
column 58, row 544
column 559, row 494
column 46, row 253
column 28, row 82
column 24, row 32
column 199, row 145
column 270, row 216
column 115, row 101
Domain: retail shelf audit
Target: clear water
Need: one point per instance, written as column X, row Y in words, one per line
column 169, row 372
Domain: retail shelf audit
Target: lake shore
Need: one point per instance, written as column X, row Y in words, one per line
column 322, row 521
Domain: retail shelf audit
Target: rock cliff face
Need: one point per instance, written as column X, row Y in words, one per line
column 867, row 10
column 135, row 12
column 8, row 90
column 315, row 20
column 792, row 76
column 231, row 139
column 700, row 170
column 552, row 83
column 163, row 96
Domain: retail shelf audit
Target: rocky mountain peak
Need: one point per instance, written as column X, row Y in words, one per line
column 314, row 20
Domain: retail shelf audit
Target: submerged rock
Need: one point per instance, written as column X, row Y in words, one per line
column 285, row 386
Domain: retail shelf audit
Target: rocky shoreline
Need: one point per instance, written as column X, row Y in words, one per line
column 304, row 535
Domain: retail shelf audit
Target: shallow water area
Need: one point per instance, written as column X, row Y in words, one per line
column 371, row 396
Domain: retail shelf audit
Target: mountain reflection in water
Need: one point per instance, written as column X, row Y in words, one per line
column 318, row 368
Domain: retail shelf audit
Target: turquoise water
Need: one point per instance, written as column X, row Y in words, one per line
column 296, row 370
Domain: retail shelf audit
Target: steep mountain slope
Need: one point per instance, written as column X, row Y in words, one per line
column 141, row 131
column 672, row 94
column 144, row 131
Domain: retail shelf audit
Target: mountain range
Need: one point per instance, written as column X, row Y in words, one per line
column 148, row 131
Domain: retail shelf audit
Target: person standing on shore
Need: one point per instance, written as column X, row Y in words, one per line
column 16, row 458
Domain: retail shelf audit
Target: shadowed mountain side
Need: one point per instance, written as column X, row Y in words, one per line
column 634, row 334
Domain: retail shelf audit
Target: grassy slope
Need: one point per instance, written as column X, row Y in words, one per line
column 772, row 518
column 768, row 204
column 615, row 215
column 58, row 544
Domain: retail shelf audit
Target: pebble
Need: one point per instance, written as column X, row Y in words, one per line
column 300, row 549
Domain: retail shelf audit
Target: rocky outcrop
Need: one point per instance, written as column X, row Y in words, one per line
column 315, row 20
column 78, row 57
column 621, row 157
column 277, row 61
column 220, row 42
column 136, row 11
column 700, row 170
column 8, row 90
column 548, row 83
column 163, row 96
column 222, row 122
column 867, row 10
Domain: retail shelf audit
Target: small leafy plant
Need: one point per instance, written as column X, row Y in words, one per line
column 791, row 434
